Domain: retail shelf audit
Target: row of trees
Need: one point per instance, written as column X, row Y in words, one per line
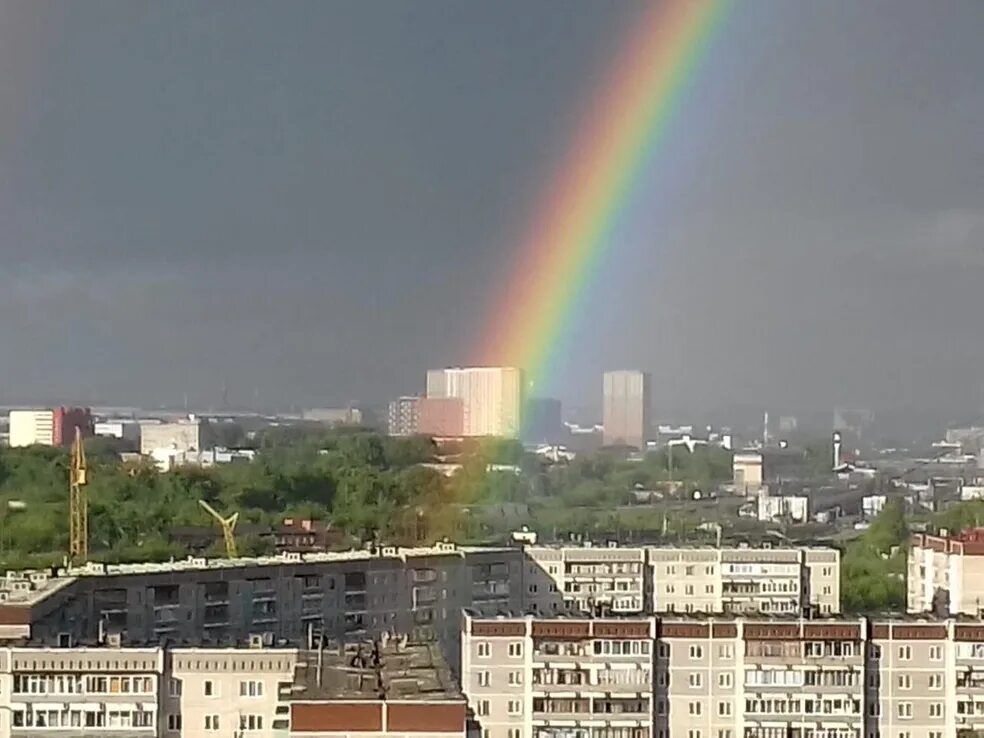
column 366, row 485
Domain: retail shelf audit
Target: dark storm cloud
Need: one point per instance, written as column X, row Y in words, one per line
column 308, row 201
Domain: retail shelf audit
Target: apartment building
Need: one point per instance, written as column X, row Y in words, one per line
column 746, row 580
column 383, row 688
column 79, row 691
column 401, row 416
column 626, row 407
column 560, row 678
column 724, row 677
column 227, row 692
column 655, row 579
column 946, row 573
column 585, row 579
column 492, row 397
column 351, row 595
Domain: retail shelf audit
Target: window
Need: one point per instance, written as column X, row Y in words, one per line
column 173, row 688
column 693, row 733
column 694, row 679
column 483, row 708
column 251, row 688
column 173, row 721
column 935, row 653
column 724, row 708
column 515, row 707
column 211, row 722
column 251, row 722
column 515, row 677
column 694, row 708
column 515, row 649
column 936, row 681
column 483, row 679
column 936, row 709
column 905, row 653
column 905, row 710
column 725, row 734
column 696, row 652
column 724, row 680
column 725, row 651
column 484, row 650
column 208, row 686
column 513, row 733
column 905, row 681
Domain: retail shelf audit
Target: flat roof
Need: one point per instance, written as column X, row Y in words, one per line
column 380, row 670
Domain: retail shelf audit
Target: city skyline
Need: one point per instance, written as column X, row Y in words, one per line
column 289, row 221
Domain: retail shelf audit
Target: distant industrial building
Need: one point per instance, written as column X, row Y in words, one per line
column 124, row 429
column 542, row 422
column 492, row 397
column 48, row 427
column 401, row 420
column 182, row 435
column 334, row 415
column 169, row 459
column 753, row 468
column 442, row 417
column 626, row 407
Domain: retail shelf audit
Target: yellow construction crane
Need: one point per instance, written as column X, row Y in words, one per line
column 228, row 526
column 78, row 524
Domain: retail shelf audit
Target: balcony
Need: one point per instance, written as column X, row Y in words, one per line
column 561, row 708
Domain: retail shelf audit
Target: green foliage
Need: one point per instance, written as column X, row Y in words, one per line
column 873, row 567
column 368, row 486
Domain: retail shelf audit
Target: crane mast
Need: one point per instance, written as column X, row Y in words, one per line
column 78, row 526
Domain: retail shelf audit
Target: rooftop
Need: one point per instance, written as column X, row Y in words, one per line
column 391, row 669
column 28, row 586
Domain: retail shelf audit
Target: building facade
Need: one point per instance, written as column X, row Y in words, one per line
column 661, row 579
column 181, row 436
column 723, row 678
column 442, row 417
column 492, row 397
column 946, row 573
column 401, row 419
column 49, row 427
column 625, row 408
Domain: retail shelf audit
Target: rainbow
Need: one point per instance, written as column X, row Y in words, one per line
column 571, row 231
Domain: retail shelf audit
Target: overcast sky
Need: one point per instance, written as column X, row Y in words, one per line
column 309, row 201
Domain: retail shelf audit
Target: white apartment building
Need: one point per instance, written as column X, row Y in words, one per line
column 724, row 678
column 255, row 692
column 946, row 573
column 31, row 427
column 585, row 579
column 227, row 692
column 656, row 579
column 492, row 397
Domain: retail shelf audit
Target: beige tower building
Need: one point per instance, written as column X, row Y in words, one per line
column 492, row 397
column 625, row 411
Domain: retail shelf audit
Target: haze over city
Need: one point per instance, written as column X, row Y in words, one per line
column 314, row 203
